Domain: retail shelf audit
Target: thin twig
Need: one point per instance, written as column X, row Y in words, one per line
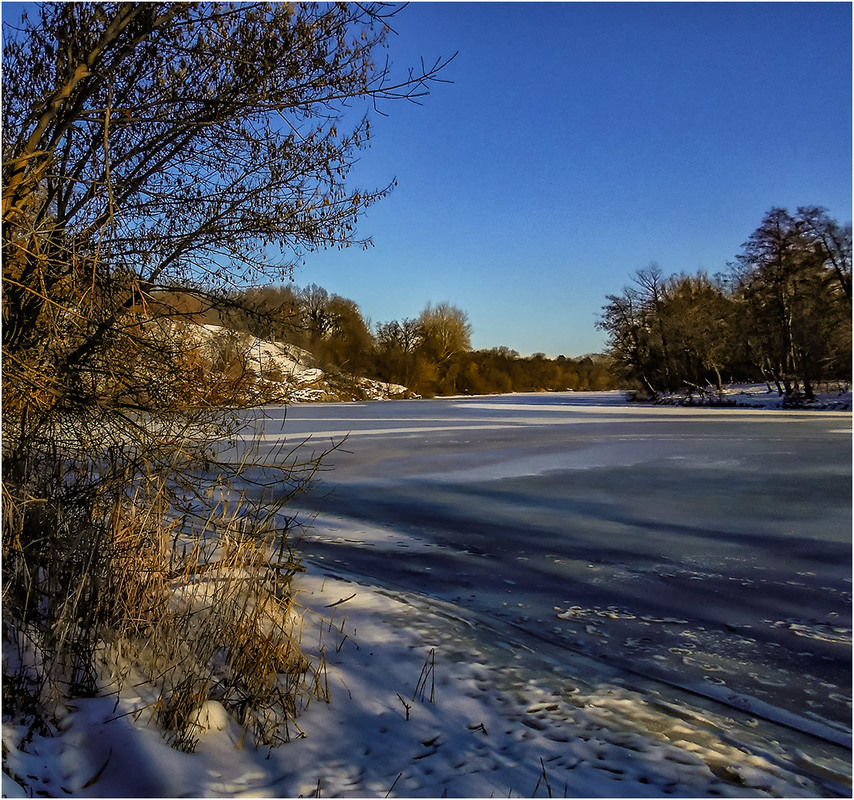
column 394, row 784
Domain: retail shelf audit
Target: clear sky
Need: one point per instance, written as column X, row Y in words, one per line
column 578, row 143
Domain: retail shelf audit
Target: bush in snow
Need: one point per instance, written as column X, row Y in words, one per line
column 165, row 573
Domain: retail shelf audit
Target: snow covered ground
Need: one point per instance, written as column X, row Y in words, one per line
column 543, row 595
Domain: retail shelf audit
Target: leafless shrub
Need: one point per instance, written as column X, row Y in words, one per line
column 126, row 562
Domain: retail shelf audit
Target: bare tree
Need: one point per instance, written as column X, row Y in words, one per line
column 832, row 242
column 149, row 147
column 783, row 313
column 397, row 344
column 149, row 143
column 654, row 296
column 793, row 285
column 446, row 331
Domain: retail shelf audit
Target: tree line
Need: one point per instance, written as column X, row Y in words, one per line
column 430, row 354
column 781, row 313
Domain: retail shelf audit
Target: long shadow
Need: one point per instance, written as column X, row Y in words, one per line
column 480, row 555
column 819, row 546
column 480, row 585
column 481, row 530
column 457, row 566
column 447, row 513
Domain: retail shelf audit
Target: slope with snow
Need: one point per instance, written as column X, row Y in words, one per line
column 284, row 369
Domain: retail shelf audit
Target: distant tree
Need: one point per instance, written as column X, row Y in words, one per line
column 783, row 313
column 698, row 317
column 316, row 318
column 504, row 352
column 446, row 331
column 669, row 333
column 397, row 344
column 599, row 376
column 631, row 339
column 832, row 244
column 349, row 342
column 795, row 297
column 653, row 294
column 268, row 312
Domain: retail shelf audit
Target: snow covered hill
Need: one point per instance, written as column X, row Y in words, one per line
column 286, row 371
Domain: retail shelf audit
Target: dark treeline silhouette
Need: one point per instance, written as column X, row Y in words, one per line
column 430, row 355
column 781, row 314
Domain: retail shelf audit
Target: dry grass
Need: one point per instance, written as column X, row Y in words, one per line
column 117, row 566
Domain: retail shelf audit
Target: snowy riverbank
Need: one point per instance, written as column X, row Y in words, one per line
column 427, row 702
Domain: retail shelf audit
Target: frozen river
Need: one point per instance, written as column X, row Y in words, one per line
column 510, row 594
column 708, row 549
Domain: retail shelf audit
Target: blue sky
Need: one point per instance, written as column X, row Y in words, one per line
column 579, row 142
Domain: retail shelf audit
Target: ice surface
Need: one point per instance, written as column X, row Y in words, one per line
column 734, row 522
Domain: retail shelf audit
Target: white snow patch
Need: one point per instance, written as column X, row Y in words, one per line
column 211, row 716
